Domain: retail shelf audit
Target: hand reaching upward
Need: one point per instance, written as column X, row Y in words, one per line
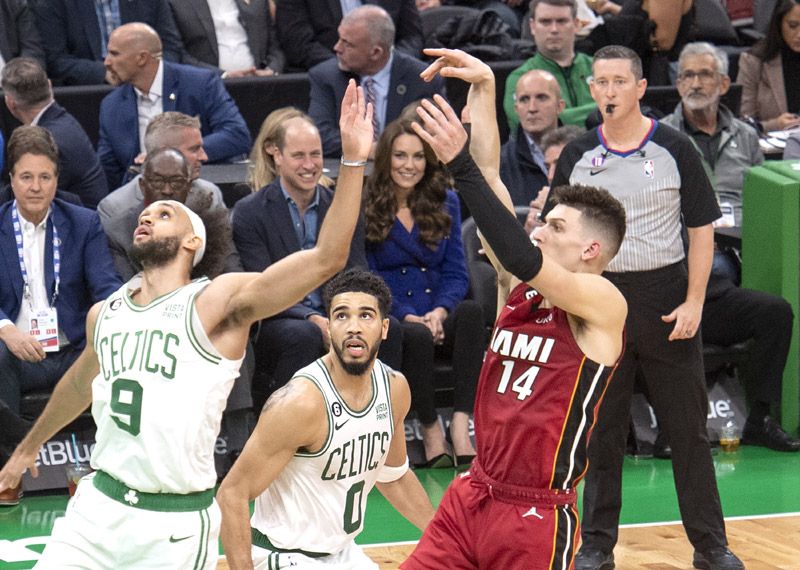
column 355, row 124
column 440, row 128
column 457, row 63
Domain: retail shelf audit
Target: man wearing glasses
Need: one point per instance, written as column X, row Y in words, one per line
column 120, row 210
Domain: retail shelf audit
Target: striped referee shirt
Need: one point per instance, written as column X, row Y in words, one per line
column 662, row 185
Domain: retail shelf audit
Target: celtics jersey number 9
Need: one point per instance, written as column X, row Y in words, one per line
column 159, row 396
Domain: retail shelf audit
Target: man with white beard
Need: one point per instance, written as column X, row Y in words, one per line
column 728, row 146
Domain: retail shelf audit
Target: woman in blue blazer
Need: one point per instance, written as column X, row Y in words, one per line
column 413, row 233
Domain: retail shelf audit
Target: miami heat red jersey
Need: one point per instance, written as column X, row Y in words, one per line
column 537, row 397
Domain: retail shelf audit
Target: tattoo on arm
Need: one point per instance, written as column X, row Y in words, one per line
column 280, row 394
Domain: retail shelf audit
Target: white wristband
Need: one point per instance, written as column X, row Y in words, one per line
column 388, row 474
column 355, row 163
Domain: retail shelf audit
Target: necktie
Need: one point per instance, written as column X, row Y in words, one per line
column 369, row 93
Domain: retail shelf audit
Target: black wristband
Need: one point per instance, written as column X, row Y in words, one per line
column 502, row 231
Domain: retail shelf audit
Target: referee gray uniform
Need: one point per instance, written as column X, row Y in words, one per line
column 663, row 186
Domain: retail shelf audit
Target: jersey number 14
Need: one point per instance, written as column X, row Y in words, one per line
column 522, row 385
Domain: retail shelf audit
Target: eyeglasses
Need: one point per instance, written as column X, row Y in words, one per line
column 705, row 75
column 158, row 183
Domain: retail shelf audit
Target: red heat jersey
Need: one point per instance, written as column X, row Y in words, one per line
column 537, row 397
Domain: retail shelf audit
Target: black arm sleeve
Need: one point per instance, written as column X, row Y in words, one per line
column 502, row 231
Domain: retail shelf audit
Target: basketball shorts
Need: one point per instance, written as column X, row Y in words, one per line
column 476, row 528
column 99, row 532
column 350, row 558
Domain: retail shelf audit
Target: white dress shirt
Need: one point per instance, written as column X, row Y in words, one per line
column 33, row 240
column 150, row 104
column 234, row 51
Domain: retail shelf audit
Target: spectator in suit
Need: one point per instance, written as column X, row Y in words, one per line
column 19, row 37
column 148, row 86
column 307, row 29
column 768, row 72
column 553, row 26
column 119, row 211
column 57, row 294
column 281, row 218
column 29, row 97
column 413, row 230
column 537, row 104
column 78, row 32
column 390, row 78
column 235, row 37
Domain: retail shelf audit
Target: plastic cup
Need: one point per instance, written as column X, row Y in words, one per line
column 729, row 438
column 74, row 474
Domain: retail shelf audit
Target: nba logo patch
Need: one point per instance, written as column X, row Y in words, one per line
column 649, row 169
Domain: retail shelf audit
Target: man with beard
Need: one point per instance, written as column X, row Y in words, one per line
column 727, row 145
column 322, row 442
column 159, row 363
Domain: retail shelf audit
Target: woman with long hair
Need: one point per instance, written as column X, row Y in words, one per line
column 770, row 72
column 413, row 234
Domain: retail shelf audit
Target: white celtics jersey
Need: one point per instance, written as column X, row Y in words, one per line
column 317, row 502
column 160, row 393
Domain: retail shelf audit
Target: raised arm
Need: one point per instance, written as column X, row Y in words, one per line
column 587, row 296
column 71, row 396
column 293, row 418
column 242, row 299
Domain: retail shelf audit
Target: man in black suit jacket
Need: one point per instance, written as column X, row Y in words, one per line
column 307, row 28
column 29, row 97
column 18, row 36
column 195, row 20
column 75, row 47
column 364, row 51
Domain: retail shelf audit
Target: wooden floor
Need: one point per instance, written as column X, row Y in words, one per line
column 762, row 543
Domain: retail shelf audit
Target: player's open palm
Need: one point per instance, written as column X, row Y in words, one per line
column 355, row 124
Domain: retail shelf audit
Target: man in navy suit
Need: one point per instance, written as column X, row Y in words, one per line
column 149, row 86
column 307, row 28
column 390, row 79
column 76, row 34
column 282, row 218
column 29, row 97
column 67, row 268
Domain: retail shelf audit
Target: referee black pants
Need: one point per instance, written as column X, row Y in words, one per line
column 673, row 372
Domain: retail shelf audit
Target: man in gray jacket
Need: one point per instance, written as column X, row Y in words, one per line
column 728, row 146
column 119, row 211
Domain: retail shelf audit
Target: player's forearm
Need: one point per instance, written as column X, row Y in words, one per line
column 485, row 141
column 700, row 258
column 71, row 396
column 235, row 529
column 408, row 497
column 336, row 233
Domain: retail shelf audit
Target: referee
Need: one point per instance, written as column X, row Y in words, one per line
column 658, row 176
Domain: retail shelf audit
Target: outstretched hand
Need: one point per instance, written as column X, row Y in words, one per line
column 355, row 124
column 440, row 128
column 15, row 468
column 457, row 63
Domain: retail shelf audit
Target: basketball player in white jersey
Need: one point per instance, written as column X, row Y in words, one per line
column 160, row 360
column 321, row 444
